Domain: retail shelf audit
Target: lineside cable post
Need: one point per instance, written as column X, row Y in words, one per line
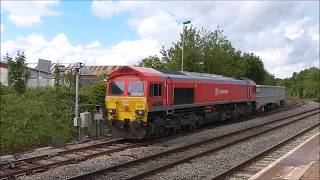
column 77, row 119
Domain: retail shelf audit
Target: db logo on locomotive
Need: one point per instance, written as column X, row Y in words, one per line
column 221, row 91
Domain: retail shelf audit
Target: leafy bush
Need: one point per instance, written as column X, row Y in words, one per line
column 304, row 84
column 38, row 116
column 92, row 95
column 33, row 119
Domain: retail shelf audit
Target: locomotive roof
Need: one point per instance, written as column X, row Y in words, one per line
column 147, row 72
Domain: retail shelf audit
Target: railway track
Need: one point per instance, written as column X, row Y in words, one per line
column 28, row 166
column 41, row 163
column 140, row 168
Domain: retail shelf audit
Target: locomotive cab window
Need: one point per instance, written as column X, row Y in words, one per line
column 136, row 88
column 116, row 88
column 155, row 90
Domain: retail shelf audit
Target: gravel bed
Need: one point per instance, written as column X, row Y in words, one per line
column 210, row 165
column 39, row 152
column 52, row 150
column 96, row 163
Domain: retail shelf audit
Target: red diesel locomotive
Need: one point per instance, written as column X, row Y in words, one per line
column 146, row 103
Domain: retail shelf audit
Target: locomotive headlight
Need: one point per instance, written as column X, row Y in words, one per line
column 112, row 111
column 140, row 112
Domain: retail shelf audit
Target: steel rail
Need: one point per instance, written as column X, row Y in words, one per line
column 60, row 153
column 179, row 149
column 35, row 166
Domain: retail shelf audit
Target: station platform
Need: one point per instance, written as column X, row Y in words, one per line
column 301, row 163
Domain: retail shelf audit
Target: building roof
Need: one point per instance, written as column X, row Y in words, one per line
column 4, row 65
column 87, row 70
column 34, row 69
column 98, row 70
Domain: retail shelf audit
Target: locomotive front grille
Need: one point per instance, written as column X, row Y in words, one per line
column 127, row 108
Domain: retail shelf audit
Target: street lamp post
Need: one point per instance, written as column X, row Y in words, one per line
column 183, row 24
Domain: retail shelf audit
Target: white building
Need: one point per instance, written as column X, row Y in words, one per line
column 41, row 75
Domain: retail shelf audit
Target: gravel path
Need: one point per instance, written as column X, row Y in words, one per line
column 131, row 154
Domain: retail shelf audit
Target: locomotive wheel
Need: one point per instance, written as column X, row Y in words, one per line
column 177, row 128
column 235, row 115
column 193, row 121
column 162, row 131
column 157, row 128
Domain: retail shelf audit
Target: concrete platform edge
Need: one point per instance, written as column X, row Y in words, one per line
column 283, row 157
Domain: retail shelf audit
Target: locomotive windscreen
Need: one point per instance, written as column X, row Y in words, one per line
column 183, row 96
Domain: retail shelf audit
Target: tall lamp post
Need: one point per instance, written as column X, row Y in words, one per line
column 183, row 26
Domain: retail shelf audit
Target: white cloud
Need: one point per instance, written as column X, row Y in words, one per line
column 27, row 13
column 94, row 44
column 151, row 27
column 289, row 45
column 60, row 49
column 284, row 34
column 106, row 9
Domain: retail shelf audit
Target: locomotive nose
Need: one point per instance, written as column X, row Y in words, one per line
column 128, row 116
column 126, row 108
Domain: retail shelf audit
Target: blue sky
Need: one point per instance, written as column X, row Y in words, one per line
column 284, row 34
column 78, row 23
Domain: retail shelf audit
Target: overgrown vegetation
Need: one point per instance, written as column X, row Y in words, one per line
column 34, row 118
column 304, row 84
column 40, row 115
column 93, row 95
column 57, row 77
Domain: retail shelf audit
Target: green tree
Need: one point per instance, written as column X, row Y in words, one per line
column 70, row 79
column 210, row 52
column 204, row 51
column 152, row 62
column 57, row 76
column 304, row 84
column 253, row 68
column 18, row 72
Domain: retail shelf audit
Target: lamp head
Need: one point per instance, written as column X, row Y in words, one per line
column 187, row 22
